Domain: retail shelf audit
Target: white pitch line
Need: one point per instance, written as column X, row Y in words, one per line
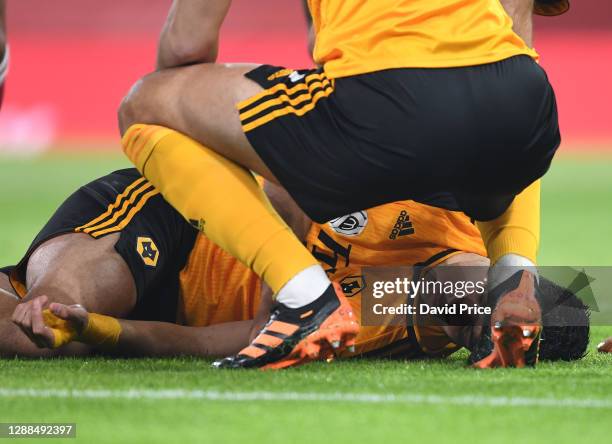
column 363, row 398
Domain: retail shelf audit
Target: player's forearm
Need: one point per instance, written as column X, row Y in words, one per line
column 143, row 338
column 191, row 32
column 13, row 342
column 521, row 12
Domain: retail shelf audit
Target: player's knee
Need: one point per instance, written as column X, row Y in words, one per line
column 131, row 109
column 141, row 102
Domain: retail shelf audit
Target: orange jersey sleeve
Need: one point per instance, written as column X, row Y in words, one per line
column 359, row 36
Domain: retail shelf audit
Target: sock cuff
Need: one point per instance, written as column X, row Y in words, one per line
column 513, row 240
column 274, row 272
column 140, row 139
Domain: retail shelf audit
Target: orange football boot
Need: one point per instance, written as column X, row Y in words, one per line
column 296, row 336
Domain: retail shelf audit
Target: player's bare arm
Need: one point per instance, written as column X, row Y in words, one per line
column 521, row 12
column 70, row 269
column 191, row 36
column 13, row 341
column 468, row 334
column 137, row 338
column 134, row 338
column 191, row 32
column 76, row 268
column 144, row 338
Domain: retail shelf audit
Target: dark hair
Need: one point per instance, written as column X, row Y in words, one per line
column 566, row 321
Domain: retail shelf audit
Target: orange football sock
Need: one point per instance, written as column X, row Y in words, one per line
column 517, row 231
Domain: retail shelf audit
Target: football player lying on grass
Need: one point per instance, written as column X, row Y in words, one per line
column 117, row 249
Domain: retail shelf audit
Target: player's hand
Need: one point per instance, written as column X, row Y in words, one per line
column 511, row 336
column 605, row 346
column 51, row 328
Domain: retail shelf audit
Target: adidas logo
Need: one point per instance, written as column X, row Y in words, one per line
column 403, row 226
column 296, row 76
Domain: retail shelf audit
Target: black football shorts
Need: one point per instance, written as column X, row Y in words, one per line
column 468, row 138
column 155, row 241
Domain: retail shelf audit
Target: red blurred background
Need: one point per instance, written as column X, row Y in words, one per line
column 73, row 60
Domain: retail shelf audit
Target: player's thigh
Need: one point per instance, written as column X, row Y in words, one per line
column 78, row 269
column 199, row 101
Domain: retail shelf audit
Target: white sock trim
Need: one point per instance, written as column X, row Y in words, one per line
column 304, row 288
column 507, row 265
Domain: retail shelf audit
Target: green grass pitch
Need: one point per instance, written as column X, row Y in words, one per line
column 184, row 400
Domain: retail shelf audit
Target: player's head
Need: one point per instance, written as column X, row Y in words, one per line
column 565, row 336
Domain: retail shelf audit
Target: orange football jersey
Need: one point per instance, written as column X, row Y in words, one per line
column 359, row 36
column 217, row 288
